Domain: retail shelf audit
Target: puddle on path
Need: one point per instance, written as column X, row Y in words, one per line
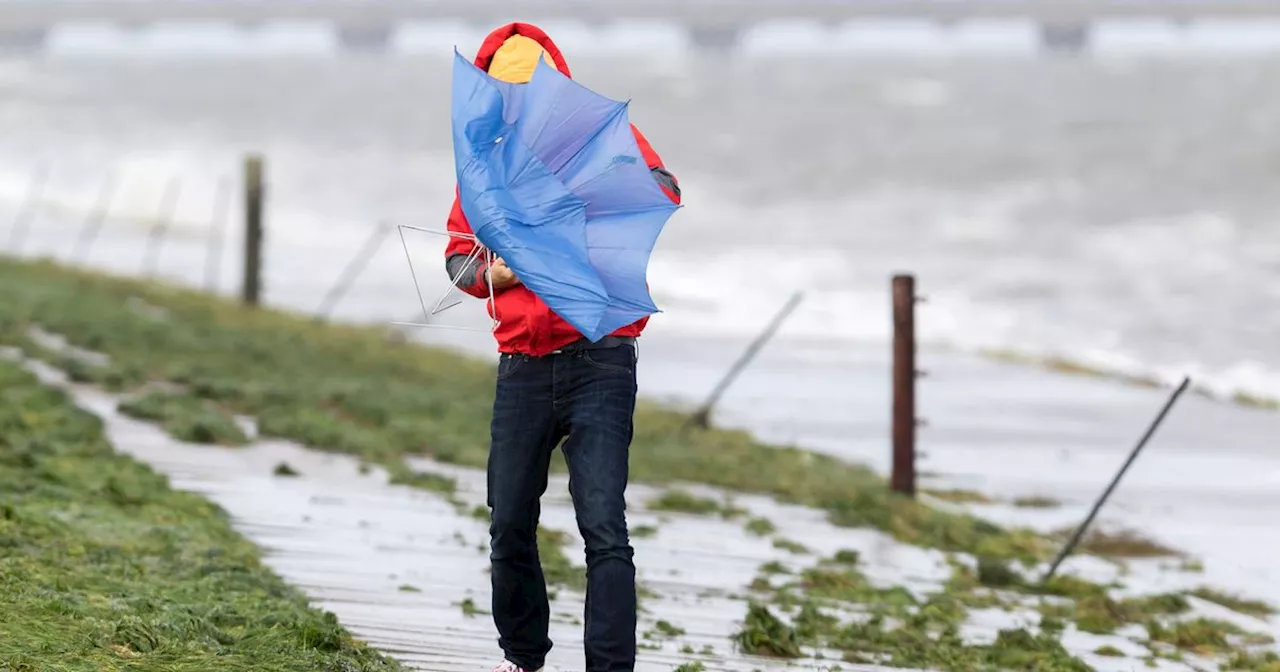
column 395, row 564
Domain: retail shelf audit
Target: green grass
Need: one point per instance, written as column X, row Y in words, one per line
column 1234, row 602
column 557, row 569
column 1203, row 636
column 792, row 547
column 959, row 496
column 846, row 557
column 643, row 531
column 469, row 608
column 104, row 567
column 1036, row 502
column 665, row 630
column 1265, row 661
column 763, row 634
column 900, row 628
column 365, row 392
column 1091, row 606
column 1101, row 614
column 186, row 417
column 774, row 567
column 684, row 502
column 1118, row 544
column 760, row 527
column 919, row 642
column 362, row 391
column 426, row 480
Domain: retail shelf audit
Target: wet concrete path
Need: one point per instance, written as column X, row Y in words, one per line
column 398, row 564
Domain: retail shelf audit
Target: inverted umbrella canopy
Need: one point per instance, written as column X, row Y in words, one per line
column 552, row 180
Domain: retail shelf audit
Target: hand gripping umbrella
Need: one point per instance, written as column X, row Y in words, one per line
column 552, row 181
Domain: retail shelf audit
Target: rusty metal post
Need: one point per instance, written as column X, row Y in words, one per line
column 903, row 479
column 254, row 194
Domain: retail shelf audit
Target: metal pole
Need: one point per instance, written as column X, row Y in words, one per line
column 254, row 194
column 702, row 417
column 217, row 225
column 155, row 239
column 22, row 220
column 352, row 272
column 1151, row 430
column 93, row 223
column 903, row 479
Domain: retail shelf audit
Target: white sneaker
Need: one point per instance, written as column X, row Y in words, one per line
column 508, row 666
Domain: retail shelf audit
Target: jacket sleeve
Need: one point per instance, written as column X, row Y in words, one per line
column 670, row 185
column 466, row 272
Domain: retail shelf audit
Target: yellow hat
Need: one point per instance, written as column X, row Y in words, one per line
column 516, row 59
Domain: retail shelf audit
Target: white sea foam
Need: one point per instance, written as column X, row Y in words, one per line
column 1024, row 264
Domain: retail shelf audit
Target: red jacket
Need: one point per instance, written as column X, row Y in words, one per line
column 525, row 324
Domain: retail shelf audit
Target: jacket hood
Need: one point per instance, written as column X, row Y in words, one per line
column 495, row 40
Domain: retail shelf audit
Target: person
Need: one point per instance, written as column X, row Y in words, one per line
column 554, row 385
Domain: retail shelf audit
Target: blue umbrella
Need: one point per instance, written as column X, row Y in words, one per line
column 552, row 180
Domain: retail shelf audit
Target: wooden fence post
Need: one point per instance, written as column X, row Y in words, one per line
column 254, row 195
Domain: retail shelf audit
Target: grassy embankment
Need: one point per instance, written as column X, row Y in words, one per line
column 104, row 567
column 361, row 391
column 354, row 390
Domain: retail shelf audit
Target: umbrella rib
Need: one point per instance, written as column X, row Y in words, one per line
column 475, row 253
column 413, row 274
column 622, row 109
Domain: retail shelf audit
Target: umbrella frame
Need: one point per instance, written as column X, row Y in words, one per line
column 476, row 252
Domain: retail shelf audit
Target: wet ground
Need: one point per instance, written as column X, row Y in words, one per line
column 1208, row 482
column 397, row 564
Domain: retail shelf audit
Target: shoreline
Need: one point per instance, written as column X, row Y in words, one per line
column 384, row 293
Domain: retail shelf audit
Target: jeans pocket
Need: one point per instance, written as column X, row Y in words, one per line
column 621, row 359
column 509, row 365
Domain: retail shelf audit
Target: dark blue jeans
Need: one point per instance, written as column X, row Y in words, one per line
column 588, row 396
